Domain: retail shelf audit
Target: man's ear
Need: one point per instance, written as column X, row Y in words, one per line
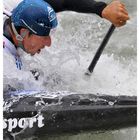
column 24, row 32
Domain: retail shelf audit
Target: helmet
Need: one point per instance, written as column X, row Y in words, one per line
column 35, row 15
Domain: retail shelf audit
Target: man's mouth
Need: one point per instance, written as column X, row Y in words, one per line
column 39, row 51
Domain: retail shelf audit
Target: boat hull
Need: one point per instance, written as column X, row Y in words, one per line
column 39, row 116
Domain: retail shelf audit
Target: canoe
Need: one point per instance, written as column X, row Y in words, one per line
column 49, row 114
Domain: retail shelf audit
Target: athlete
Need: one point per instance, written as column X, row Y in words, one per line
column 29, row 22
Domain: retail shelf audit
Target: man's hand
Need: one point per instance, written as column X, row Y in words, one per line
column 116, row 13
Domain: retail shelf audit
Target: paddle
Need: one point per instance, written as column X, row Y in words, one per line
column 100, row 50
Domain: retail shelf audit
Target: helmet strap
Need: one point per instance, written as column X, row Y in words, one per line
column 19, row 38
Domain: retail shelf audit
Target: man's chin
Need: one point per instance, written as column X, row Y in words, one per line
column 32, row 54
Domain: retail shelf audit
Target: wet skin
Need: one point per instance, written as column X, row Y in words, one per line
column 34, row 43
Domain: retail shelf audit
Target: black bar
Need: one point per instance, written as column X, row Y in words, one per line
column 100, row 50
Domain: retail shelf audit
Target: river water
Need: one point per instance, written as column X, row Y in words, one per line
column 62, row 66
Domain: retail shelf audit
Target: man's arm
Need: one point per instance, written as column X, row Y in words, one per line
column 82, row 6
column 115, row 11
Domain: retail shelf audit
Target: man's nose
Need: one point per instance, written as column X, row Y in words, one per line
column 47, row 41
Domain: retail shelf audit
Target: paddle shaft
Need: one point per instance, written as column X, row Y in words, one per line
column 100, row 49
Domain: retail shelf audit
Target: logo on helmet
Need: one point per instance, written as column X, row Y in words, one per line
column 52, row 15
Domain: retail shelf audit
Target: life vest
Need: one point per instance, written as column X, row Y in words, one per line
column 9, row 47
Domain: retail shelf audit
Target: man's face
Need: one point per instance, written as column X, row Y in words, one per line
column 34, row 43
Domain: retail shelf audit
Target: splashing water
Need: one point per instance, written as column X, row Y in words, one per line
column 62, row 66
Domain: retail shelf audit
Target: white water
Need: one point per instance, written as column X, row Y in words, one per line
column 62, row 66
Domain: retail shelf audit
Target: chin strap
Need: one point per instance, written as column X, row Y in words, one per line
column 19, row 37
